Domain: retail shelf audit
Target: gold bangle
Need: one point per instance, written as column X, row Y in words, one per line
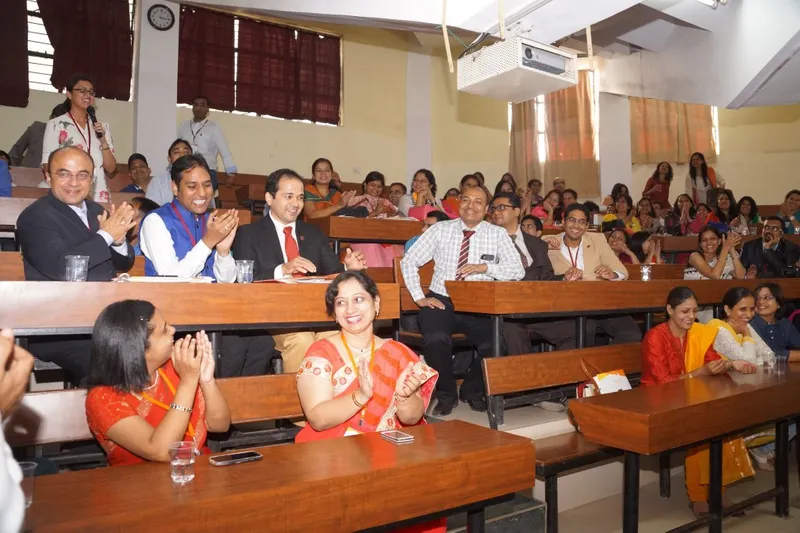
column 359, row 405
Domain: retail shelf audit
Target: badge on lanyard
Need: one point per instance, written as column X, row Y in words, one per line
column 195, row 148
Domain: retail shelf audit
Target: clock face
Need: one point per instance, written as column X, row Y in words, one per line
column 161, row 17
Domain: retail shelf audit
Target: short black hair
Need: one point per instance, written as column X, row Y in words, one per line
column 333, row 289
column 577, row 206
column 777, row 292
column 137, row 157
column 793, row 191
column 401, row 185
column 536, row 221
column 511, row 197
column 734, row 296
column 440, row 216
column 187, row 162
column 534, row 180
column 468, row 177
column 274, row 179
column 176, row 142
column 119, row 342
column 57, row 151
column 678, row 295
column 591, row 206
column 574, row 193
column 774, row 218
column 201, row 97
column 144, row 204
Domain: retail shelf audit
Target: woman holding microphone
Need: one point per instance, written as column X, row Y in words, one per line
column 78, row 126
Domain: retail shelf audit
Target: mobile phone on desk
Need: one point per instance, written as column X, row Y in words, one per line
column 235, row 458
column 397, row 437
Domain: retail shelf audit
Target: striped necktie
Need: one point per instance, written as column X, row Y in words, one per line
column 525, row 264
column 463, row 255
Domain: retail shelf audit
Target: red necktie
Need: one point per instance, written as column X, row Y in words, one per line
column 291, row 248
column 463, row 256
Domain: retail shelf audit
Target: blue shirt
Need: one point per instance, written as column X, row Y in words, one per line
column 132, row 188
column 411, row 241
column 781, row 336
column 5, row 179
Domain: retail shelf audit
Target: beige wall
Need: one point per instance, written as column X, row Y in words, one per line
column 759, row 154
column 469, row 133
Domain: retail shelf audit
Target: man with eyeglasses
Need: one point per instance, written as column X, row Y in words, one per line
column 771, row 256
column 582, row 256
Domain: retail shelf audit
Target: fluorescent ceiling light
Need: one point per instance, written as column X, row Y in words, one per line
column 709, row 3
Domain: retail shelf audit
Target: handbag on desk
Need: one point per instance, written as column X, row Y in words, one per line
column 598, row 383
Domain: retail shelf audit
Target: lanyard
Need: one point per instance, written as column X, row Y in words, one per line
column 185, row 226
column 162, row 404
column 355, row 366
column 89, row 141
column 194, row 135
column 573, row 260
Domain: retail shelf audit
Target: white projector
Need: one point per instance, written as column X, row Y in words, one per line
column 516, row 70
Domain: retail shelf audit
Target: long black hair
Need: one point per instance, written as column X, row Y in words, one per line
column 753, row 208
column 703, row 167
column 637, row 244
column 733, row 211
column 119, row 342
column 656, row 173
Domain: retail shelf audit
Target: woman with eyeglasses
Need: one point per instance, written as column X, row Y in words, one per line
column 76, row 128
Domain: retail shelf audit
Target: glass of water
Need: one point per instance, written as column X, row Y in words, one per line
column 646, row 272
column 28, row 471
column 181, row 461
column 77, row 268
column 244, row 271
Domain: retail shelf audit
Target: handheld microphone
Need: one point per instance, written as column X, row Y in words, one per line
column 93, row 116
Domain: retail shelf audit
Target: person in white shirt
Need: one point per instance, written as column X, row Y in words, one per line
column 16, row 365
column 470, row 249
column 206, row 138
column 160, row 188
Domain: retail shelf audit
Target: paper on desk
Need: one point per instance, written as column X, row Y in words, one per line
column 160, row 279
column 614, row 381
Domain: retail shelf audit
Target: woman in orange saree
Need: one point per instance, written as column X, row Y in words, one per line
column 357, row 382
column 682, row 349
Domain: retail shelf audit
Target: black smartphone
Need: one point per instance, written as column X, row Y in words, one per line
column 235, row 458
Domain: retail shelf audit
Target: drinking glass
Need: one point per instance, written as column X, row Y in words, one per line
column 28, row 471
column 77, row 268
column 646, row 272
column 244, row 271
column 181, row 461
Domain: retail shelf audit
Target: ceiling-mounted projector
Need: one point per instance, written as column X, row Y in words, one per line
column 516, row 70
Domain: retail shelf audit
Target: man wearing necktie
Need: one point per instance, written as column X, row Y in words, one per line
column 282, row 246
column 463, row 249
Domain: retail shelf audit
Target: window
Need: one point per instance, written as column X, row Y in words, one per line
column 40, row 51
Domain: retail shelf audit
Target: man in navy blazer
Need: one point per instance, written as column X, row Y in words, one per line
column 283, row 246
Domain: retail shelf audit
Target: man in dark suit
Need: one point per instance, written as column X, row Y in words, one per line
column 771, row 255
column 505, row 211
column 66, row 223
column 283, row 246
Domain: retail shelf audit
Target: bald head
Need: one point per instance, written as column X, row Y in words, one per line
column 70, row 172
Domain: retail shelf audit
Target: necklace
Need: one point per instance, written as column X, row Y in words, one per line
column 355, row 367
column 155, row 382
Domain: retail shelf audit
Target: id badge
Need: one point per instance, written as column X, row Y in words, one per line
column 195, row 148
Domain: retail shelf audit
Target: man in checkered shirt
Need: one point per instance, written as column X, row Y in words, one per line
column 471, row 249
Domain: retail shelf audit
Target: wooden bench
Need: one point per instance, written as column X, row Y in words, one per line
column 524, row 373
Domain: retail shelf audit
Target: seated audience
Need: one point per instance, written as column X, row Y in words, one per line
column 771, row 324
column 430, row 219
column 550, row 210
column 790, row 212
column 724, row 212
column 283, row 246
column 748, row 214
column 582, row 256
column 610, row 201
column 647, row 216
column 646, row 249
column 66, row 222
column 559, row 184
column 396, row 191
column 736, row 338
column 504, row 187
column 620, row 241
column 148, row 390
column 468, row 181
column 771, row 256
column 678, row 219
column 593, row 208
column 657, row 187
column 376, row 254
column 532, row 195
column 467, row 248
column 182, row 238
column 481, row 179
column 139, row 173
column 16, row 365
column 716, row 256
column 681, row 348
column 142, row 207
column 700, row 220
column 160, row 188
column 508, row 177
column 322, row 200
column 531, row 225
column 623, row 211
column 568, row 197
column 451, row 194
column 423, row 188
column 701, row 178
column 5, row 176
column 660, row 214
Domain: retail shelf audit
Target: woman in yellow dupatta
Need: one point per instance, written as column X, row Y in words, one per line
column 683, row 349
column 357, row 382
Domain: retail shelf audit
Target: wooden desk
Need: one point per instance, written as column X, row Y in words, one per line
column 349, row 229
column 339, row 485
column 665, row 271
column 10, row 209
column 55, row 308
column 688, row 243
column 651, row 420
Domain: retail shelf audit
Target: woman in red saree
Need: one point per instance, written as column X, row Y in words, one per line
column 356, row 382
column 681, row 348
column 146, row 391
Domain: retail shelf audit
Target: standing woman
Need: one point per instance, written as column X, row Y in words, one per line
column 681, row 348
column 657, row 186
column 701, row 178
column 423, row 192
column 322, row 200
column 75, row 128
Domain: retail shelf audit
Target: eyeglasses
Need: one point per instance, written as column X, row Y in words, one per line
column 84, row 91
column 582, row 222
column 66, row 175
column 765, row 298
column 500, row 208
column 773, row 228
